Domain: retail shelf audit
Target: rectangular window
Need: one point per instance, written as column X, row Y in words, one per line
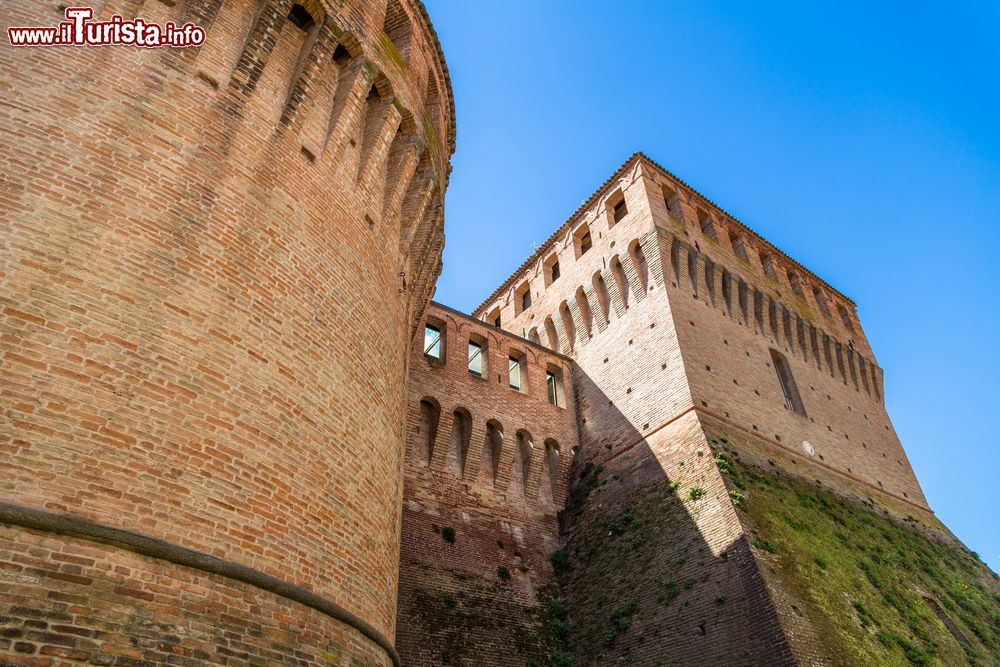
column 514, row 372
column 526, row 300
column 553, row 387
column 432, row 341
column 586, row 243
column 621, row 210
column 555, row 271
column 475, row 358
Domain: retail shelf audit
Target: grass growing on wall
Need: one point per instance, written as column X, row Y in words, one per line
column 877, row 592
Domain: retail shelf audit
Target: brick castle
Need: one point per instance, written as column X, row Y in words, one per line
column 235, row 429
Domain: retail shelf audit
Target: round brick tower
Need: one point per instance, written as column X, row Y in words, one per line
column 212, row 260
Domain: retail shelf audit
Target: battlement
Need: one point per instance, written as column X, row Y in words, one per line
column 491, row 441
column 675, row 205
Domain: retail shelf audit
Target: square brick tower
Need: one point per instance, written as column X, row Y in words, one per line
column 721, row 386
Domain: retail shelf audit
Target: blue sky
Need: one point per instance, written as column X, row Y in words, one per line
column 861, row 138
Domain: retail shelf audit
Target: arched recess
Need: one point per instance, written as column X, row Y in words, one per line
column 585, row 315
column 461, row 432
column 551, row 334
column 533, row 335
column 639, row 261
column 601, row 290
column 492, row 449
column 618, row 274
column 550, row 471
column 426, row 431
column 398, row 30
column 568, row 326
column 522, row 464
column 378, row 103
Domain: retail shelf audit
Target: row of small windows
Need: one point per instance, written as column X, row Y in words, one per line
column 739, row 246
column 583, row 242
column 582, row 300
column 434, row 349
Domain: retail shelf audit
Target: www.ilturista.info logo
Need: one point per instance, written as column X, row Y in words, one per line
column 79, row 30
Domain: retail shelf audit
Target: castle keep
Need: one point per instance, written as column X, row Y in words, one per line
column 235, row 429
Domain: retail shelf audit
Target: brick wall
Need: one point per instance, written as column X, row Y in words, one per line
column 469, row 509
column 211, row 264
column 670, row 331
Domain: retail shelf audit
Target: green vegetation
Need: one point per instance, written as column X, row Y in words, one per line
column 695, row 492
column 864, row 581
column 621, row 620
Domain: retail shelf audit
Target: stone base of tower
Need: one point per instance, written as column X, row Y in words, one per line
column 702, row 544
column 71, row 601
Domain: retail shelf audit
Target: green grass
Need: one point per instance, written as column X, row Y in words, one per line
column 860, row 578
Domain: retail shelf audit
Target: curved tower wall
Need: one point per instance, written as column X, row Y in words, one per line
column 212, row 261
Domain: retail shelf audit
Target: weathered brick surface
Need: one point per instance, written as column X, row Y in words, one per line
column 670, row 333
column 453, row 605
column 211, row 264
column 66, row 601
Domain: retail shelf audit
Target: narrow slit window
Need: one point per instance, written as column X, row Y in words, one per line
column 792, row 399
column 432, row 342
column 475, row 358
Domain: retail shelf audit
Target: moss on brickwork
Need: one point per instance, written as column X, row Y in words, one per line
column 877, row 591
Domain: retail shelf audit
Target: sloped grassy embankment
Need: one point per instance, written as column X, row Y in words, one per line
column 877, row 591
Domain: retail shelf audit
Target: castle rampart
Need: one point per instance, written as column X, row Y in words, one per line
column 491, row 436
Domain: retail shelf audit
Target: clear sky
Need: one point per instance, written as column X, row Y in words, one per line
column 861, row 138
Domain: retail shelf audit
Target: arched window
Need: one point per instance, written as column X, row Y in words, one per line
column 791, row 393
